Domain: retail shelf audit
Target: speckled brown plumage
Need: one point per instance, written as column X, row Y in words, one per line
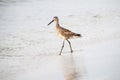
column 64, row 33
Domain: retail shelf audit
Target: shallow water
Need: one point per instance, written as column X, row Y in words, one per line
column 29, row 48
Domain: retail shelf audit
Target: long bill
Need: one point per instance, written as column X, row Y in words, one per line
column 50, row 22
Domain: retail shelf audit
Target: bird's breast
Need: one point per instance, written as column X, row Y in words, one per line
column 59, row 34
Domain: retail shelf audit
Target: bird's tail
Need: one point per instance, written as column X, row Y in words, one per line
column 78, row 35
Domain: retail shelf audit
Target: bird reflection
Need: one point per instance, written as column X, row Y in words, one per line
column 69, row 67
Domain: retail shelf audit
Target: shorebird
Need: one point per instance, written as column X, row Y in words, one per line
column 64, row 33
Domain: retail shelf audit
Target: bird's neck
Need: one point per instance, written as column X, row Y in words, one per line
column 57, row 24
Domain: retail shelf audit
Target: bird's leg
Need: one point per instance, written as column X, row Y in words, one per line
column 70, row 46
column 62, row 47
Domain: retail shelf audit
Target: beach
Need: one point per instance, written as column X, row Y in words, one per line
column 29, row 49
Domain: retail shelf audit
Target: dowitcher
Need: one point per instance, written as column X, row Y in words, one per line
column 64, row 33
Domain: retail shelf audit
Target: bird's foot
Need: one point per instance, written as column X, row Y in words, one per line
column 71, row 51
column 59, row 54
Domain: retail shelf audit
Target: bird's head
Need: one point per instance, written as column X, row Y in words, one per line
column 54, row 19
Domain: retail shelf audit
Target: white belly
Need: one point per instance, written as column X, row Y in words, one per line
column 60, row 35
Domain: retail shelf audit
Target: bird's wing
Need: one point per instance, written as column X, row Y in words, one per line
column 66, row 31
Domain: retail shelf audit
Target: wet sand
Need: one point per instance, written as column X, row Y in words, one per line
column 97, row 62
